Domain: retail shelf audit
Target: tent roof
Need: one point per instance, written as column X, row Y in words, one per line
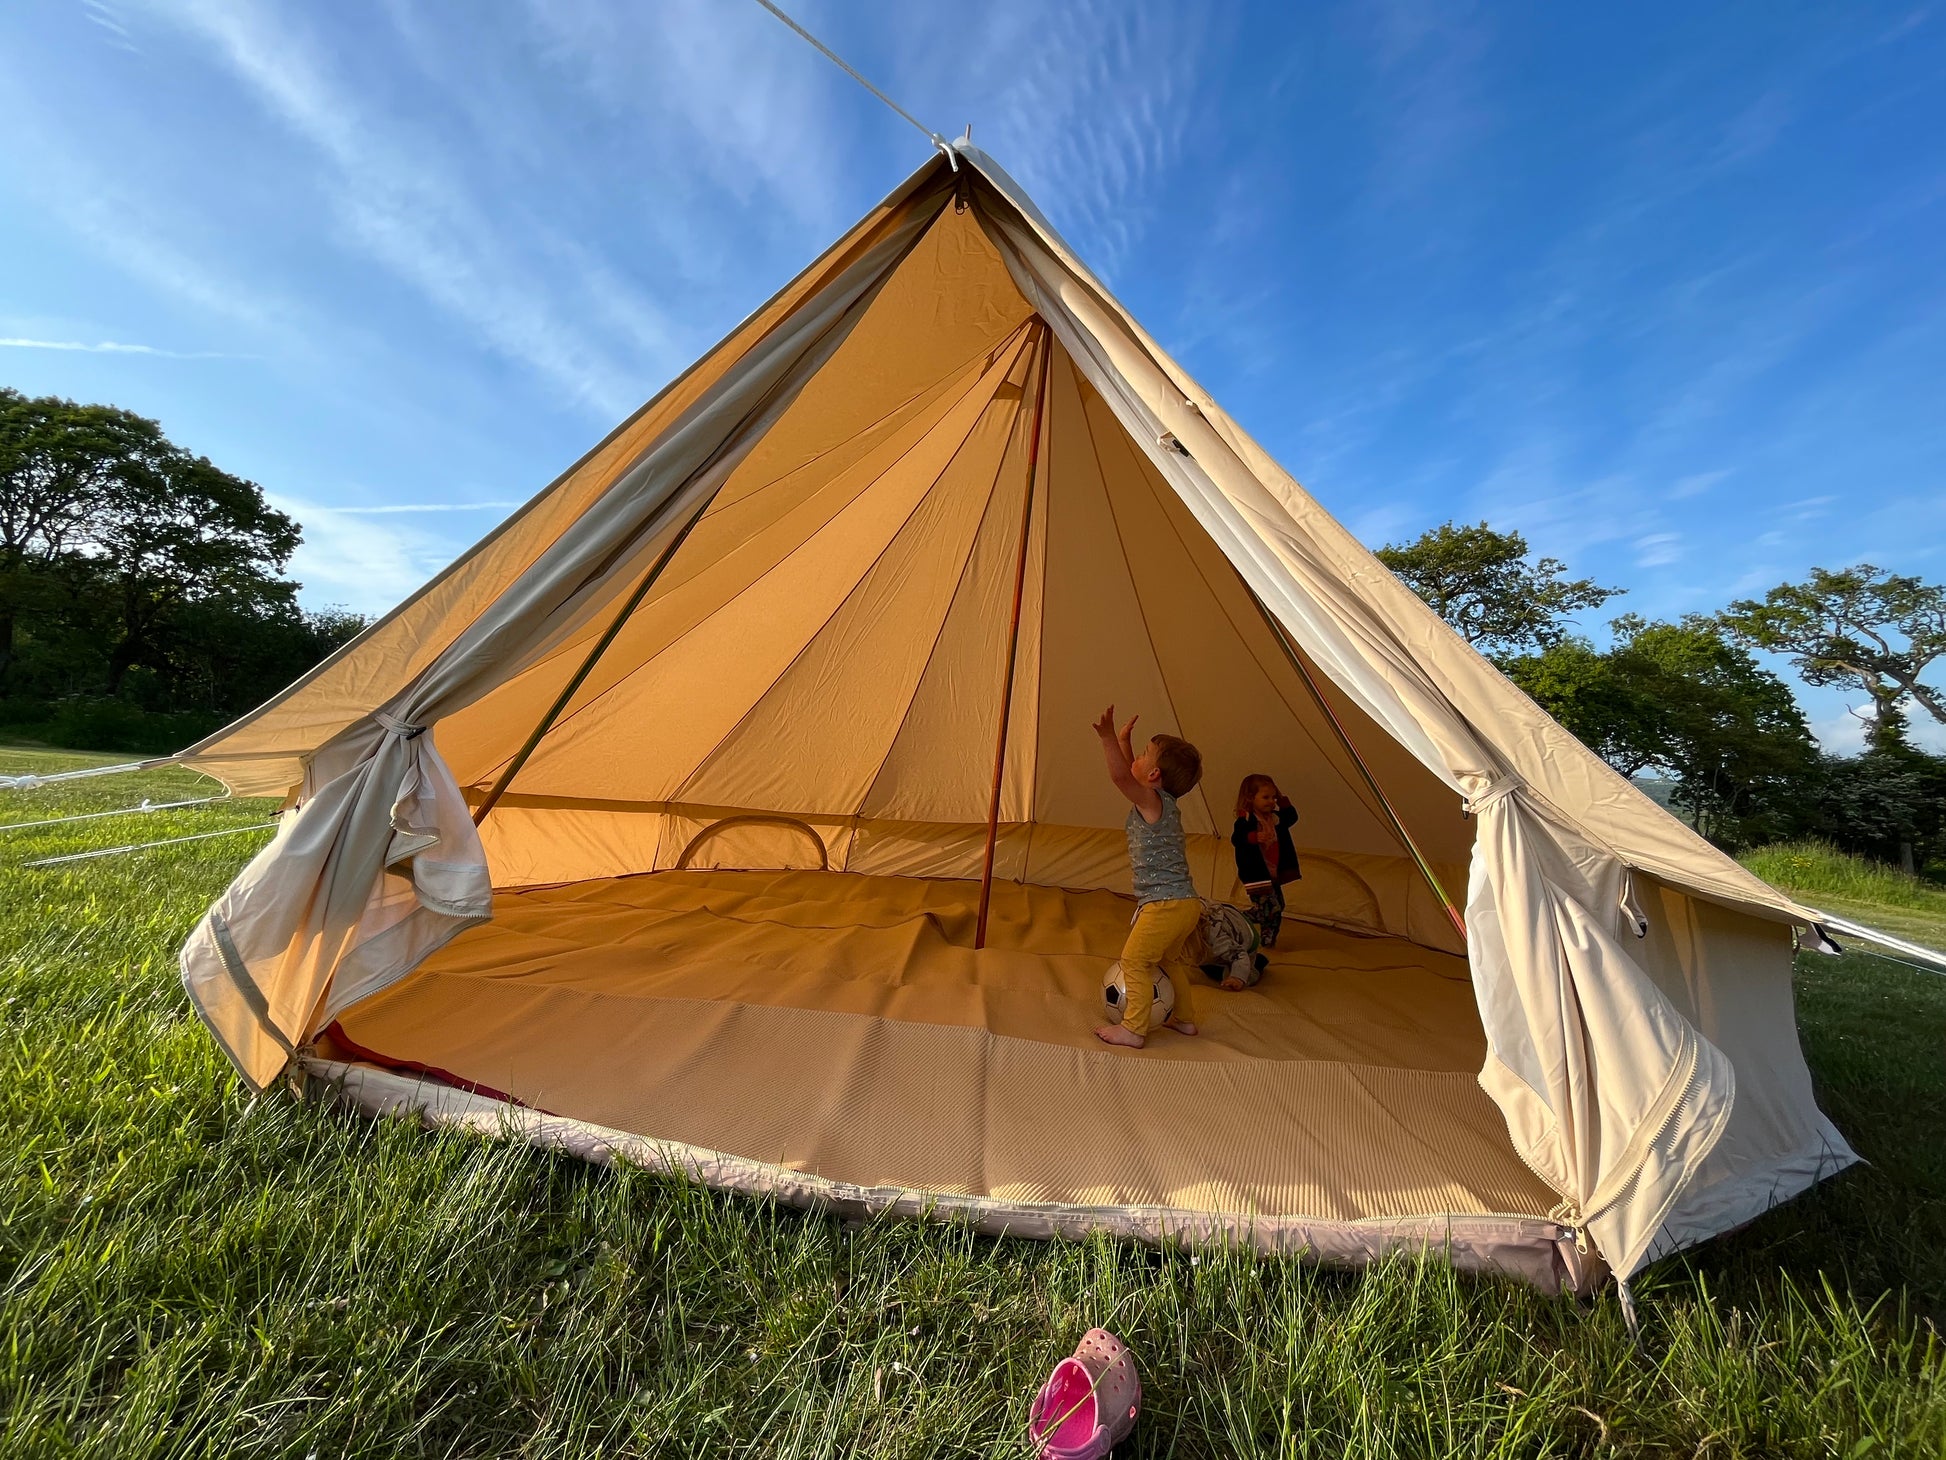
column 832, row 637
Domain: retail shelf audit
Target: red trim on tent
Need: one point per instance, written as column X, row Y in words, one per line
column 336, row 1033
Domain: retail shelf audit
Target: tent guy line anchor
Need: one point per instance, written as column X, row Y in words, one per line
column 31, row 782
column 843, row 65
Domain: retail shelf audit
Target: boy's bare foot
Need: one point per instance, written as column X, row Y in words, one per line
column 1182, row 1026
column 1119, row 1034
column 1234, row 985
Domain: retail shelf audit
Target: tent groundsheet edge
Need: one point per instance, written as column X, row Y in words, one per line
column 1536, row 1250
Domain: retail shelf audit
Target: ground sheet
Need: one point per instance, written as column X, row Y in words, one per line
column 844, row 1025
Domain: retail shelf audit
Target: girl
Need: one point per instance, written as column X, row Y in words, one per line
column 1265, row 858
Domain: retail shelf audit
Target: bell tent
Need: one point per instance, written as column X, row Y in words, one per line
column 734, row 807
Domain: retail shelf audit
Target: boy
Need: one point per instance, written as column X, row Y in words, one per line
column 1167, row 909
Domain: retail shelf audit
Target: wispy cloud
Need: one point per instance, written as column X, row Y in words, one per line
column 402, row 206
column 116, row 347
column 163, row 246
column 1842, row 730
column 104, row 16
column 751, row 103
column 1536, row 488
column 1658, row 549
column 1432, row 103
column 347, row 559
column 1695, row 484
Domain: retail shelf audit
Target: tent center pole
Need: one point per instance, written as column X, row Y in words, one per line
column 588, row 664
column 1013, row 640
column 1344, row 739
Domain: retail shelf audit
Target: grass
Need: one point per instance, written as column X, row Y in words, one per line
column 186, row 1272
column 1868, row 892
column 1818, row 869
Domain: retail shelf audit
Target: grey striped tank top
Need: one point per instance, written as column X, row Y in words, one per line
column 1156, row 855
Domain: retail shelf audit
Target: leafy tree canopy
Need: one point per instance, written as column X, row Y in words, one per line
column 1485, row 585
column 1861, row 626
column 1680, row 699
column 133, row 568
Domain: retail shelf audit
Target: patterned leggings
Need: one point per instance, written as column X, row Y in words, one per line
column 1267, row 912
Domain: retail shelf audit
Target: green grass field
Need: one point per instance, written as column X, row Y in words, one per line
column 189, row 1272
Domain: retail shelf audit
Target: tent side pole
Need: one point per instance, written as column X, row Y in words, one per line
column 1013, row 641
column 588, row 664
column 1344, row 739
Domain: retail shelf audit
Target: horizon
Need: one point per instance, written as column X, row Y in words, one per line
column 1646, row 289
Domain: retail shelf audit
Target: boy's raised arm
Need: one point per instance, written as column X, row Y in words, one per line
column 1119, row 752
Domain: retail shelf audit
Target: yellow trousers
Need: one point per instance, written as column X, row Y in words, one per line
column 1161, row 929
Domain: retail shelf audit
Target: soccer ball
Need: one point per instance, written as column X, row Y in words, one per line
column 1114, row 996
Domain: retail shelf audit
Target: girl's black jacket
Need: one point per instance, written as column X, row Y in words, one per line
column 1251, row 866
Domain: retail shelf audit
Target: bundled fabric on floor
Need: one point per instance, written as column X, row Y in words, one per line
column 795, row 865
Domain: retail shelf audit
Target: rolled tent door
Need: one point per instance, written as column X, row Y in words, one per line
column 1610, row 1094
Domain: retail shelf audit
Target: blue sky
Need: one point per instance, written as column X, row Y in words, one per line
column 1664, row 287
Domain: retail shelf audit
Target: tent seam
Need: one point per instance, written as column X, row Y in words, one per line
column 993, row 488
column 739, row 594
column 1121, row 543
column 1350, row 783
column 825, row 262
column 877, row 558
column 946, row 379
column 568, row 649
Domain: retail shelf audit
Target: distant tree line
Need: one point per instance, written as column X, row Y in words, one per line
column 1687, row 703
column 142, row 596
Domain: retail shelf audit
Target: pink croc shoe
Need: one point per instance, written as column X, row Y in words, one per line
column 1089, row 1403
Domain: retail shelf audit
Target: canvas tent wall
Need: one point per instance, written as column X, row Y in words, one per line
column 832, row 505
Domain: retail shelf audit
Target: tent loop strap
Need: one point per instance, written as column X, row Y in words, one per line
column 402, row 728
column 845, row 66
column 1638, row 920
column 1498, row 789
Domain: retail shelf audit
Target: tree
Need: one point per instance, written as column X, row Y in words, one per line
column 133, row 567
column 1484, row 584
column 224, row 658
column 173, row 530
column 1681, row 700
column 1887, row 805
column 1857, row 626
column 1728, row 730
column 58, row 461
